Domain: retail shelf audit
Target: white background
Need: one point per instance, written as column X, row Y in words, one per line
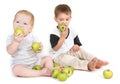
column 97, row 23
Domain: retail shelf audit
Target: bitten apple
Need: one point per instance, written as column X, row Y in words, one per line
column 18, row 31
column 62, row 27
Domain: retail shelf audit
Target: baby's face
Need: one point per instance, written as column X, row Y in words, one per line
column 63, row 18
column 23, row 21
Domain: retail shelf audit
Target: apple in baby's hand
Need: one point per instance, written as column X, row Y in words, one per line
column 36, row 46
column 107, row 74
column 36, row 67
column 18, row 31
column 68, row 70
column 55, row 73
column 62, row 76
column 62, row 28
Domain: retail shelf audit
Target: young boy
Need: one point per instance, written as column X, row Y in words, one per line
column 19, row 47
column 66, row 44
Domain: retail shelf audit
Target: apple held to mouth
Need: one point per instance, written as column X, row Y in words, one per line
column 18, row 31
column 62, row 76
column 62, row 27
column 35, row 46
column 36, row 67
column 107, row 74
column 68, row 70
column 55, row 73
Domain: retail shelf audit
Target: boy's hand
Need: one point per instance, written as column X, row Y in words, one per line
column 40, row 49
column 75, row 48
column 18, row 38
column 64, row 33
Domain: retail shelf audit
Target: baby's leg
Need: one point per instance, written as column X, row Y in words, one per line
column 101, row 63
column 25, row 71
column 47, row 62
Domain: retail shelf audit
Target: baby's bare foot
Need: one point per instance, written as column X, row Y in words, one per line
column 101, row 63
column 92, row 64
column 46, row 72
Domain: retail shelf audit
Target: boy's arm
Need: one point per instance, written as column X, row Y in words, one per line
column 56, row 41
column 77, row 41
column 59, row 44
column 77, row 44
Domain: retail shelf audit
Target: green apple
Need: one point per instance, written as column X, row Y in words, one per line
column 107, row 74
column 18, row 31
column 56, row 64
column 82, row 59
column 62, row 27
column 72, row 68
column 55, row 73
column 68, row 70
column 36, row 67
column 62, row 76
column 35, row 46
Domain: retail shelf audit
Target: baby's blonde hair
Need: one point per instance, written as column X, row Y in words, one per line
column 27, row 13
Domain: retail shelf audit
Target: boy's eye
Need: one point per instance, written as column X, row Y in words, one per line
column 25, row 23
column 61, row 19
column 17, row 21
column 67, row 19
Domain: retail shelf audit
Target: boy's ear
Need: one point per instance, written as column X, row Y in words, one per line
column 55, row 19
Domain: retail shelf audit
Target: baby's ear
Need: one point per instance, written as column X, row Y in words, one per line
column 31, row 28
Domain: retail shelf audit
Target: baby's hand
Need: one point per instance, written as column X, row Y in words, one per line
column 18, row 37
column 75, row 48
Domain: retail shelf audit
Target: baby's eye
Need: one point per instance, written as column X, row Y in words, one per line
column 25, row 23
column 17, row 21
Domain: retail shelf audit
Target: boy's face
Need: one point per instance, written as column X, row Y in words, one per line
column 23, row 21
column 63, row 18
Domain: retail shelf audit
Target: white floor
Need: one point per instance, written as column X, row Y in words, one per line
column 78, row 77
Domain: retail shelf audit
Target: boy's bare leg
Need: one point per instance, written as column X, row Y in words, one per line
column 101, row 63
column 24, row 71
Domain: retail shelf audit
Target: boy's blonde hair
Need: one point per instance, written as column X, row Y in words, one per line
column 27, row 13
column 62, row 8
